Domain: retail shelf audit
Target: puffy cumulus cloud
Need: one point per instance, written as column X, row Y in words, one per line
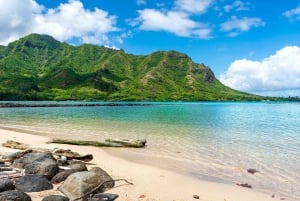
column 17, row 18
column 293, row 14
column 71, row 20
column 278, row 74
column 68, row 21
column 235, row 25
column 193, row 6
column 177, row 23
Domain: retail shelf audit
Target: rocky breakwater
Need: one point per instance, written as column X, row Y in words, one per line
column 27, row 171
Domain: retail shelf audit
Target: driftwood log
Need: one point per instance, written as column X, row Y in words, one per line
column 107, row 143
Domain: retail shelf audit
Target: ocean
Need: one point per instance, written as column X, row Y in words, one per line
column 217, row 141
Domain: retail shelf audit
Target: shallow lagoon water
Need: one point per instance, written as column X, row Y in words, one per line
column 218, row 141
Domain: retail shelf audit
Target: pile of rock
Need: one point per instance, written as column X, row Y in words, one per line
column 39, row 171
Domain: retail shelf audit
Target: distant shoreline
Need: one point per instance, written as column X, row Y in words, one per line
column 14, row 105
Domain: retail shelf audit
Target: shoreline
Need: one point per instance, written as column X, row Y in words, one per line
column 150, row 182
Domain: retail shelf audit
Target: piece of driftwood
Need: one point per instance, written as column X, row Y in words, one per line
column 107, row 143
column 127, row 143
column 15, row 145
column 11, row 173
column 69, row 154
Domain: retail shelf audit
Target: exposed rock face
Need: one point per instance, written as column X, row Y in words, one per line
column 6, row 184
column 38, row 163
column 55, row 198
column 80, row 184
column 33, row 183
column 14, row 195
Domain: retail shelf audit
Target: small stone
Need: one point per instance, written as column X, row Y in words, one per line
column 103, row 197
column 252, row 171
column 245, row 185
column 62, row 176
column 273, row 196
column 196, row 197
column 142, row 196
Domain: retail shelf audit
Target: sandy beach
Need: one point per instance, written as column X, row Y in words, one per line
column 150, row 183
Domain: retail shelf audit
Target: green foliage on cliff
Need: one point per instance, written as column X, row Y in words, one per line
column 37, row 67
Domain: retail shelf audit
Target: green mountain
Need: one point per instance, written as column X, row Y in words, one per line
column 38, row 67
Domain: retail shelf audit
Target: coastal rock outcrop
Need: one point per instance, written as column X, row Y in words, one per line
column 33, row 183
column 14, row 195
column 6, row 184
column 79, row 185
column 38, row 164
column 55, row 198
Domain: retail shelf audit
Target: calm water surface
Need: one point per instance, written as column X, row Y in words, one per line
column 207, row 140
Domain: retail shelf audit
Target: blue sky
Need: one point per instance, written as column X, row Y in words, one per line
column 250, row 45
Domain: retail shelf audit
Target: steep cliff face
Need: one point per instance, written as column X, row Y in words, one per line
column 39, row 67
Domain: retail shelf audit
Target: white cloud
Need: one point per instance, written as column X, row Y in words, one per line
column 174, row 22
column 278, row 74
column 193, row 6
column 141, row 2
column 236, row 25
column 67, row 21
column 16, row 18
column 293, row 14
column 237, row 6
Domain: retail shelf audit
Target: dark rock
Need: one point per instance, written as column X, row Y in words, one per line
column 245, row 185
column 252, row 171
column 105, row 177
column 78, row 166
column 14, row 195
column 103, row 197
column 38, row 163
column 62, row 176
column 33, row 183
column 55, row 198
column 196, row 197
column 82, row 184
column 6, row 184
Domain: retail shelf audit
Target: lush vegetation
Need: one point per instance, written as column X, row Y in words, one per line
column 37, row 67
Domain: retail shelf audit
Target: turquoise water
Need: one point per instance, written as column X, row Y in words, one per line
column 205, row 140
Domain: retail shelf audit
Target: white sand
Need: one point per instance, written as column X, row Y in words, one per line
column 150, row 183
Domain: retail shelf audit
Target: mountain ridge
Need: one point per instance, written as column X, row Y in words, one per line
column 38, row 67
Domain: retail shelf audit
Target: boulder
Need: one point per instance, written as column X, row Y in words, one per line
column 105, row 177
column 55, row 198
column 14, row 195
column 33, row 183
column 81, row 184
column 6, row 184
column 38, row 163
